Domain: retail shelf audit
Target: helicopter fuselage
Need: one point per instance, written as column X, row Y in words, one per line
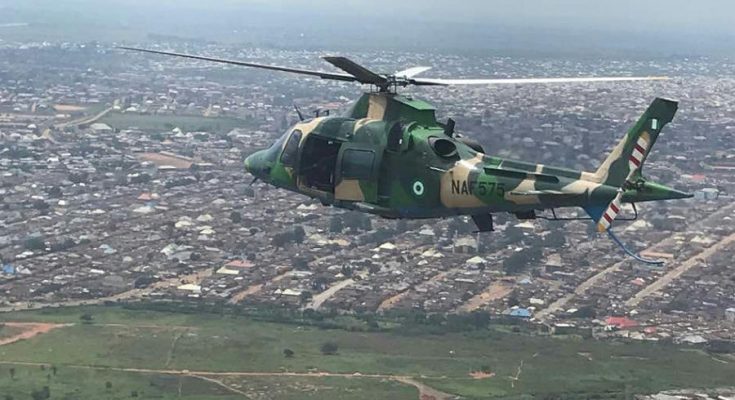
column 392, row 158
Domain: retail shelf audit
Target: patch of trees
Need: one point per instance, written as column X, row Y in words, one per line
column 16, row 152
column 680, row 303
column 520, row 260
column 320, row 283
column 356, row 221
column 297, row 235
column 721, row 346
column 54, row 192
column 513, row 234
column 140, row 178
column 585, row 312
column 79, row 177
column 300, row 263
column 305, row 296
column 336, row 225
column 34, row 243
column 63, row 244
column 555, row 239
column 410, row 322
column 248, row 192
column 40, row 205
column 42, row 394
column 329, row 348
column 381, row 235
column 459, row 226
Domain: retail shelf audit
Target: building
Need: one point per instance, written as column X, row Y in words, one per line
column 100, row 128
column 520, row 313
column 730, row 314
column 621, row 322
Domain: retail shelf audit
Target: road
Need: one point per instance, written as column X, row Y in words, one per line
column 675, row 273
column 561, row 303
column 83, row 120
column 496, row 291
column 320, row 298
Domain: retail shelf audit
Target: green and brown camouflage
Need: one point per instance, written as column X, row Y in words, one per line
column 389, row 156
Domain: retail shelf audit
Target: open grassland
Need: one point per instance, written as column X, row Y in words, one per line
column 9, row 332
column 163, row 123
column 75, row 383
column 242, row 355
column 66, row 382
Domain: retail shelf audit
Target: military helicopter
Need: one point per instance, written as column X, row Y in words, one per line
column 388, row 155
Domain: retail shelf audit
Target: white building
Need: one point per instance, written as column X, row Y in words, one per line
column 730, row 314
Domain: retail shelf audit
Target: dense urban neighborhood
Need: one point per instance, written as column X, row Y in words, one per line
column 122, row 179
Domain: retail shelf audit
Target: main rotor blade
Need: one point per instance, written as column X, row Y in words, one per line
column 323, row 75
column 411, row 72
column 430, row 81
column 362, row 74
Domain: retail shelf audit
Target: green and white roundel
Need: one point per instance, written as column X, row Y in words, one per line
column 418, row 188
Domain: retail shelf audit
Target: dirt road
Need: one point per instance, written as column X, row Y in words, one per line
column 561, row 303
column 320, row 298
column 675, row 273
column 425, row 392
column 496, row 291
column 27, row 330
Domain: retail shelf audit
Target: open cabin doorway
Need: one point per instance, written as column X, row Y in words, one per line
column 318, row 163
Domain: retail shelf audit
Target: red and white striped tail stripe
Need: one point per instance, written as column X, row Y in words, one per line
column 634, row 162
column 609, row 215
column 639, row 152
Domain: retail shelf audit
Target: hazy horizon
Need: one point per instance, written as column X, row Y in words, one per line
column 656, row 28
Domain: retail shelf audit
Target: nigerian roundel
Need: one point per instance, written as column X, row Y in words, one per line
column 418, row 188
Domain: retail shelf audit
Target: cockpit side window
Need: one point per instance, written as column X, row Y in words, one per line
column 291, row 151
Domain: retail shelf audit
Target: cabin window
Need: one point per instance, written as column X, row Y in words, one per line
column 291, row 151
column 357, row 164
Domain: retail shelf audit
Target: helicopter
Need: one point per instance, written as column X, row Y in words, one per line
column 388, row 155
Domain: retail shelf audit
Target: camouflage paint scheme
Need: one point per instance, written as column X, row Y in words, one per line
column 410, row 179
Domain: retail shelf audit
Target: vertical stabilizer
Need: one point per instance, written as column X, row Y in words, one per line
column 631, row 152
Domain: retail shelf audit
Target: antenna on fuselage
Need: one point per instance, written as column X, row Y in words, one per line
column 301, row 116
column 449, row 127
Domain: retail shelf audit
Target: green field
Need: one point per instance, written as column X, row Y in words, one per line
column 76, row 383
column 85, row 384
column 205, row 344
column 164, row 123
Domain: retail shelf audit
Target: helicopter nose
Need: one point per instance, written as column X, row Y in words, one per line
column 257, row 165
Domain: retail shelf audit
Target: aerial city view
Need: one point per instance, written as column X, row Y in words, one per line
column 269, row 200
